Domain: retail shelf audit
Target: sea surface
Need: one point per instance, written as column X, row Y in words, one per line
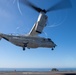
column 36, row 69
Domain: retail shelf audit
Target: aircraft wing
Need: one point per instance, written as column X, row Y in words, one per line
column 37, row 29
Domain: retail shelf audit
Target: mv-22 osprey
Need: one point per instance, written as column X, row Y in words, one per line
column 32, row 40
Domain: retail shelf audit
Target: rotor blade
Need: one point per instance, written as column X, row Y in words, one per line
column 63, row 4
column 31, row 5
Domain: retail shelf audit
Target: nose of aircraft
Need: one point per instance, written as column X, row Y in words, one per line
column 54, row 45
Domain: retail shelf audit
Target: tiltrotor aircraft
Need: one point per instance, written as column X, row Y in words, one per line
column 32, row 40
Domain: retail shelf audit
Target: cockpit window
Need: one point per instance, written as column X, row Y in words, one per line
column 49, row 39
column 44, row 39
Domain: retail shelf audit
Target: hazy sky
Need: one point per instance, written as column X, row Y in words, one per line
column 61, row 28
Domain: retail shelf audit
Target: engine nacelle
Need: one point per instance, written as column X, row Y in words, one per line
column 41, row 22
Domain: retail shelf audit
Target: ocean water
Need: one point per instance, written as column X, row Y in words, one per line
column 36, row 69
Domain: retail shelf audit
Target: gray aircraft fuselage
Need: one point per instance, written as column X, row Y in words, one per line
column 28, row 41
